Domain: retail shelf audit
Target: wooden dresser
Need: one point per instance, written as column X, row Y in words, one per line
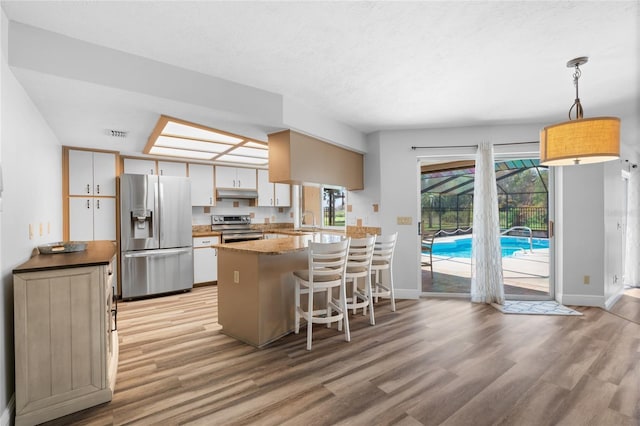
column 66, row 343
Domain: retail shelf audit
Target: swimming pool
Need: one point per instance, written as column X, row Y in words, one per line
column 461, row 247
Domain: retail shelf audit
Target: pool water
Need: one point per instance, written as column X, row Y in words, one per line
column 462, row 247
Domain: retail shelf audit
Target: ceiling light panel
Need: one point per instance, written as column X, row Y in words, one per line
column 190, row 132
column 240, row 159
column 250, row 152
column 190, row 144
column 172, row 152
column 256, row 145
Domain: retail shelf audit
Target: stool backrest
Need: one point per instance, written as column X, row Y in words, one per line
column 384, row 247
column 328, row 259
column 361, row 251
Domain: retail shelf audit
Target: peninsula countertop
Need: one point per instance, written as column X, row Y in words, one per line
column 283, row 245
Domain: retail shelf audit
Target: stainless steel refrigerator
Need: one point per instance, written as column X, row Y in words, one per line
column 155, row 234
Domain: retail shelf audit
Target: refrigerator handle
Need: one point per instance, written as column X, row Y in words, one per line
column 160, row 252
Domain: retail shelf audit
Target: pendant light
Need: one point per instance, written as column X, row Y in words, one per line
column 580, row 140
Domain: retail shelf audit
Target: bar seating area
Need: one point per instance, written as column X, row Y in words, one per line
column 331, row 265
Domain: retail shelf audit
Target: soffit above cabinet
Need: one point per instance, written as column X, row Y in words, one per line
column 173, row 137
column 296, row 158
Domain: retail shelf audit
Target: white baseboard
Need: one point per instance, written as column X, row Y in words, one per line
column 401, row 293
column 612, row 300
column 582, row 300
column 7, row 414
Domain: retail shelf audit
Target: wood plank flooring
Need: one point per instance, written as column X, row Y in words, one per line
column 434, row 361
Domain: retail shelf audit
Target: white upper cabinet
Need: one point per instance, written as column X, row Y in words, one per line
column 172, row 168
column 139, row 166
column 202, row 191
column 235, row 177
column 92, row 173
column 282, row 194
column 270, row 194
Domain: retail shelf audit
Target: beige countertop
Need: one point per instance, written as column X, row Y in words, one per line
column 197, row 234
column 279, row 245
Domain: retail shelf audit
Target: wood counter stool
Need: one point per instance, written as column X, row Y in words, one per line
column 327, row 270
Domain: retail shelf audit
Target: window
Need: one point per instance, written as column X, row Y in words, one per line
column 333, row 207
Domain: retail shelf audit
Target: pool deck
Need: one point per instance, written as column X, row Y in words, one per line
column 523, row 273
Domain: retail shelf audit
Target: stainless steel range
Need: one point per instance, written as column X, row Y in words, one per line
column 234, row 228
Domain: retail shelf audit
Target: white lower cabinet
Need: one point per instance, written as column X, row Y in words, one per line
column 205, row 259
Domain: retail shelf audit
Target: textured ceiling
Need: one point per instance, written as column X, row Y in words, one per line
column 382, row 65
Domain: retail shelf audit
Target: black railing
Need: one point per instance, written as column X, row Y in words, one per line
column 536, row 218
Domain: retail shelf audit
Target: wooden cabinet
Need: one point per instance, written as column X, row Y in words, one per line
column 92, row 173
column 92, row 218
column 202, row 191
column 172, row 168
column 139, row 166
column 66, row 345
column 270, row 194
column 235, row 177
column 205, row 259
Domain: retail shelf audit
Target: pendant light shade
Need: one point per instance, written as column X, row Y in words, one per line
column 580, row 140
column 583, row 141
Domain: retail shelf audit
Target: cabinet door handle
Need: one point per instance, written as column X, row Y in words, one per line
column 98, row 188
column 98, row 204
column 88, row 189
column 150, row 171
column 206, row 242
column 88, row 204
column 161, row 172
column 234, row 183
column 210, row 200
column 277, row 201
column 271, row 201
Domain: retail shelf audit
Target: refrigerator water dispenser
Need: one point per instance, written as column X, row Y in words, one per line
column 142, row 224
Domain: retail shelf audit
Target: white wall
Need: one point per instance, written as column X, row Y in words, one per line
column 32, row 175
column 588, row 200
column 362, row 202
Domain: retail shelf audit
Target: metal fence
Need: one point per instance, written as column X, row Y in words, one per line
column 536, row 218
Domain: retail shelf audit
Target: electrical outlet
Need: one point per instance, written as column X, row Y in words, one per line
column 586, row 280
column 236, row 277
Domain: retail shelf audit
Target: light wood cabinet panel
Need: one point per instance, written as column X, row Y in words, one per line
column 172, row 168
column 65, row 349
column 202, row 191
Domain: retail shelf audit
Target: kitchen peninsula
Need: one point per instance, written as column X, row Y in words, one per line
column 255, row 285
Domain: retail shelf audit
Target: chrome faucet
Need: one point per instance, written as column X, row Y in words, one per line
column 313, row 216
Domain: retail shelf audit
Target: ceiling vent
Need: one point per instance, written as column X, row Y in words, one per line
column 117, row 133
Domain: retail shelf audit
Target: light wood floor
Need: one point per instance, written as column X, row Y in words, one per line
column 434, row 361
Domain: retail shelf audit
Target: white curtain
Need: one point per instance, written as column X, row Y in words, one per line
column 486, row 253
column 632, row 243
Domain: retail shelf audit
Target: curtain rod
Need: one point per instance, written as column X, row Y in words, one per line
column 470, row 146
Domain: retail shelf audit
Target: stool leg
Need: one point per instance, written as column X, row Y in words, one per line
column 345, row 312
column 368, row 292
column 393, row 296
column 310, row 319
column 297, row 308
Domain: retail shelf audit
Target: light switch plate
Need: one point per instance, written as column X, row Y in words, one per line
column 404, row 220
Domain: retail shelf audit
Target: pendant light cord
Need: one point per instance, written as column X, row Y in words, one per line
column 576, row 104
